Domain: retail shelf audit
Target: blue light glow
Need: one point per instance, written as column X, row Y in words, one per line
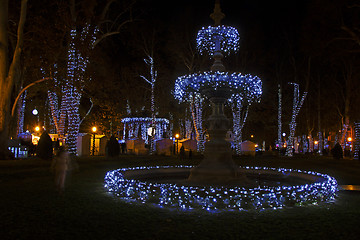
column 245, row 86
column 144, row 120
column 228, row 36
column 219, row 198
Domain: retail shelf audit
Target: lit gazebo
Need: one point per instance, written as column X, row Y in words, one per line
column 135, row 127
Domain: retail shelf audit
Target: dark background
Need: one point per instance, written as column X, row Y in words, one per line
column 281, row 42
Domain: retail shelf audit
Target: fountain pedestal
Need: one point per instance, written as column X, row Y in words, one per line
column 217, row 165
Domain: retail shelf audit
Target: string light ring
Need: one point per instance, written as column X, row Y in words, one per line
column 222, row 198
column 244, row 86
column 229, row 39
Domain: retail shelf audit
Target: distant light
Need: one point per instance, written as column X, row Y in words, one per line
column 256, row 145
column 35, row 112
column 349, row 139
column 284, row 134
column 37, row 128
column 177, row 136
column 252, row 136
column 316, row 142
column 94, row 129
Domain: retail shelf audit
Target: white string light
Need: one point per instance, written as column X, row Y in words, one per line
column 221, row 198
column 229, row 39
column 247, row 86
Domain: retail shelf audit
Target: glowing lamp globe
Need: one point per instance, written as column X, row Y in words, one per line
column 35, row 112
column 93, row 129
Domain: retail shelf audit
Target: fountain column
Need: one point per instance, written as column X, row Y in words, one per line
column 217, row 165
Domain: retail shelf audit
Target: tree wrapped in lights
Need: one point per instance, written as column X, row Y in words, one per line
column 279, row 140
column 297, row 103
column 153, row 75
column 21, row 113
column 240, row 110
column 84, row 35
column 357, row 141
column 65, row 110
column 196, row 111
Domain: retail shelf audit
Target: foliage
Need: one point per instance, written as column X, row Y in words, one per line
column 44, row 148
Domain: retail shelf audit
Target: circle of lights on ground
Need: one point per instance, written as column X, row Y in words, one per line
column 220, row 198
column 247, row 86
column 229, row 37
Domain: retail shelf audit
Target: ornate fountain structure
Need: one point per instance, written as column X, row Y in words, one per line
column 218, row 86
column 217, row 184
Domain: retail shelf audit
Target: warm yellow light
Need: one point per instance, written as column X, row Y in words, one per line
column 349, row 139
column 256, row 145
column 252, row 136
column 308, row 137
column 37, row 128
column 177, row 136
column 94, row 129
column 316, row 142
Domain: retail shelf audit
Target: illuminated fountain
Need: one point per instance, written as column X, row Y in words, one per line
column 217, row 183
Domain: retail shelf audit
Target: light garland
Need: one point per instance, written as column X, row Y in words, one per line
column 228, row 36
column 221, row 198
column 76, row 69
column 21, row 113
column 279, row 141
column 144, row 120
column 152, row 81
column 239, row 118
column 247, row 86
column 295, row 111
column 133, row 124
column 196, row 113
column 357, row 141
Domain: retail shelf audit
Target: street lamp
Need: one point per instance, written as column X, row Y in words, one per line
column 93, row 129
column 37, row 129
column 349, row 139
column 177, row 142
column 35, row 112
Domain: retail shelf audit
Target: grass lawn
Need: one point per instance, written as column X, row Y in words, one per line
column 30, row 208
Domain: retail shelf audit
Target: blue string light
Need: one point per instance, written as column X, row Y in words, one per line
column 144, row 120
column 246, row 86
column 218, row 198
column 229, row 39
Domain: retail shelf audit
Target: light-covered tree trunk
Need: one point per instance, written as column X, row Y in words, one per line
column 240, row 113
column 153, row 76
column 297, row 103
column 279, row 140
column 196, row 113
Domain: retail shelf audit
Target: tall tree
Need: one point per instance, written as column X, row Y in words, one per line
column 8, row 70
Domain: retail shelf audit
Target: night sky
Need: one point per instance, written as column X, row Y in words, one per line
column 280, row 41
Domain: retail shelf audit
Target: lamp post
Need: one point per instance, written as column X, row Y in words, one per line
column 93, row 129
column 177, row 142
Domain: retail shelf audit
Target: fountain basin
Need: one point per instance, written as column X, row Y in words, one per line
column 167, row 186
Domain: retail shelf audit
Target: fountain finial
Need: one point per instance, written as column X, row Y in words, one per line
column 217, row 15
